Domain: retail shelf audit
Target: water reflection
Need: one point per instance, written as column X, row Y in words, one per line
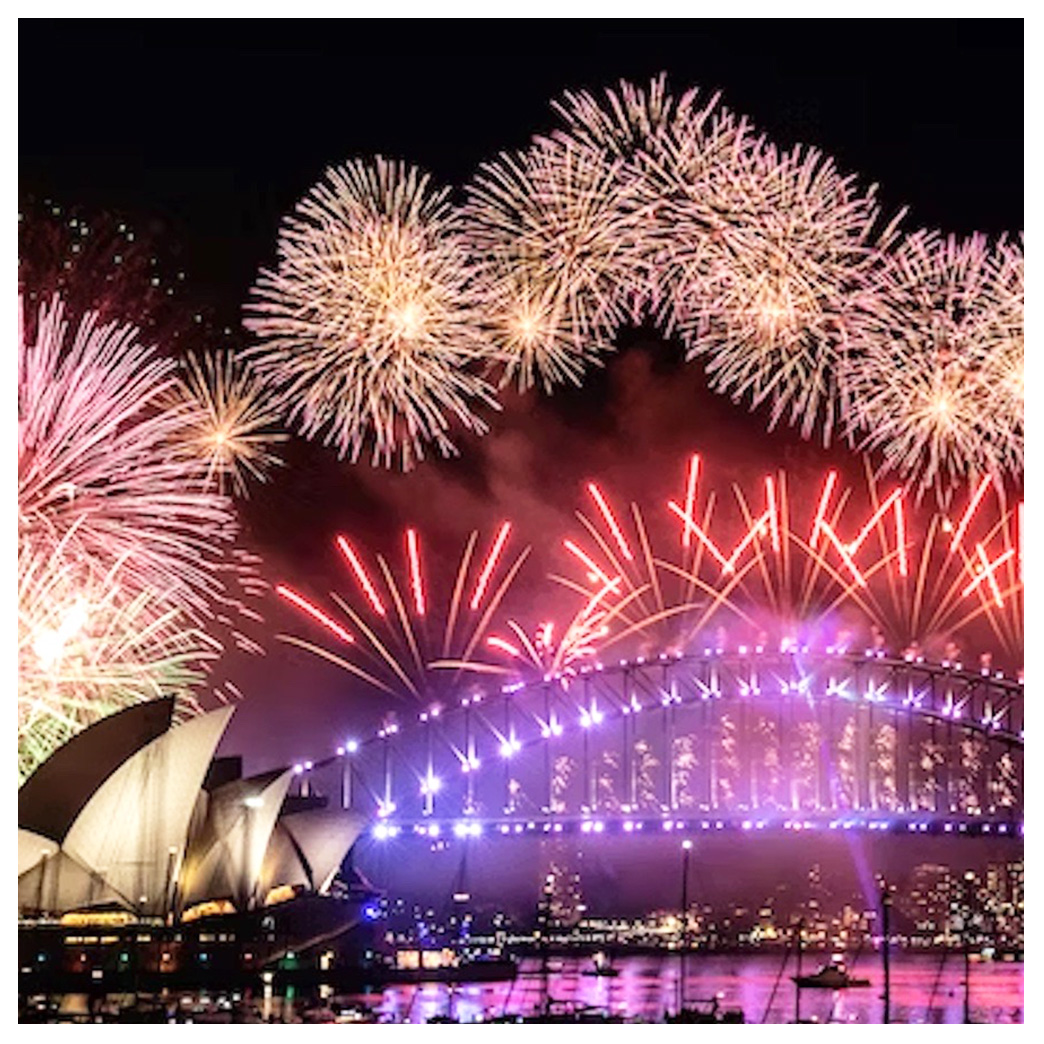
column 925, row 989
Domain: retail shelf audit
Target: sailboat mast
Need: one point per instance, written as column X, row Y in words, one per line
column 886, row 940
column 797, row 981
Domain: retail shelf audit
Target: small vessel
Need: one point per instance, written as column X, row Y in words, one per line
column 708, row 1012
column 832, row 976
column 557, row 1011
column 601, row 966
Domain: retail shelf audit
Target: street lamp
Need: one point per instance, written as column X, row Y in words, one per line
column 969, row 879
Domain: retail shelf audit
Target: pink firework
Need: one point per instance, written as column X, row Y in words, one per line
column 100, row 455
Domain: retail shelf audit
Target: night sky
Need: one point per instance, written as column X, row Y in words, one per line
column 205, row 134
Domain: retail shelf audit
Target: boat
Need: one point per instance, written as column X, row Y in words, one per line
column 709, row 1012
column 832, row 976
column 558, row 1011
column 601, row 967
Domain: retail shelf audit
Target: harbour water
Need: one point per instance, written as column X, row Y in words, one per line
column 924, row 989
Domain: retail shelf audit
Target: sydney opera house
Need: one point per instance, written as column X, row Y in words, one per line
column 144, row 859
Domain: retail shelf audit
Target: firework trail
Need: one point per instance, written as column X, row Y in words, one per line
column 644, row 594
column 234, row 428
column 367, row 325
column 552, row 234
column 935, row 384
column 857, row 566
column 88, row 647
column 399, row 639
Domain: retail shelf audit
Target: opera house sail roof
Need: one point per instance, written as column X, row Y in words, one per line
column 123, row 814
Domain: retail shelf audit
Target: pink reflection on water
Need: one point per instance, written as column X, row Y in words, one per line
column 925, row 989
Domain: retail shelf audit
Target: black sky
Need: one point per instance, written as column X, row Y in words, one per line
column 207, row 132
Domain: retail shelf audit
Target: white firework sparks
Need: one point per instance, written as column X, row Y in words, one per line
column 921, row 387
column 88, row 647
column 233, row 434
column 553, row 232
column 367, row 325
column 782, row 247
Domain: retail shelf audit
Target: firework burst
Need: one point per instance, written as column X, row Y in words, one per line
column 936, row 382
column 98, row 451
column 544, row 655
column 395, row 636
column 674, row 157
column 552, row 233
column 88, row 647
column 772, row 280
column 234, row 430
column 1005, row 361
column 367, row 325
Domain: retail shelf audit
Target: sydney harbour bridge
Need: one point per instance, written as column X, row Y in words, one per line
column 751, row 739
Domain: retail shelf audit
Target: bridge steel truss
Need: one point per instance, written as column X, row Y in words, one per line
column 746, row 739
